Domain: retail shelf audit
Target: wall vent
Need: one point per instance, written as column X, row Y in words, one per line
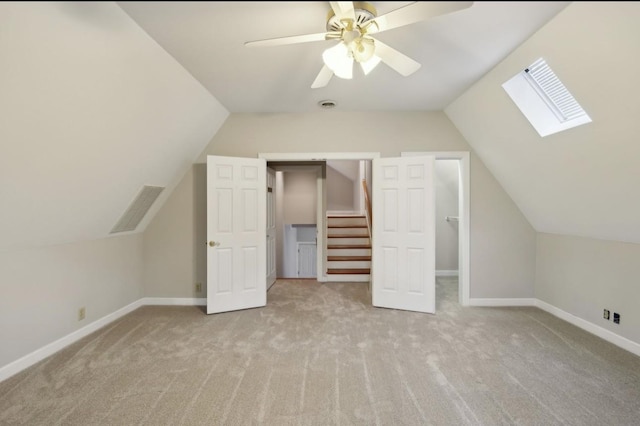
column 138, row 209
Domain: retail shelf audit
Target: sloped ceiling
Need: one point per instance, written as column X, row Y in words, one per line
column 583, row 181
column 455, row 50
column 91, row 109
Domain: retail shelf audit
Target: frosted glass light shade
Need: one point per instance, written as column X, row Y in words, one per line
column 369, row 65
column 338, row 60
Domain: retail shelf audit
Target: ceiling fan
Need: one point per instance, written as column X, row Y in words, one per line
column 352, row 24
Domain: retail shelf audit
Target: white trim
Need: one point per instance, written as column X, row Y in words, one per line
column 497, row 302
column 603, row 333
column 174, row 301
column 48, row 350
column 317, row 156
column 464, row 209
column 446, row 273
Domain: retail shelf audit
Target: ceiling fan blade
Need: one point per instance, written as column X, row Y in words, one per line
column 323, row 77
column 414, row 12
column 396, row 60
column 291, row 39
column 343, row 9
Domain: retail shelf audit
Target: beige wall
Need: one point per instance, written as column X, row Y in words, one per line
column 584, row 276
column 502, row 242
column 580, row 181
column 340, row 191
column 299, row 198
column 175, row 241
column 43, row 288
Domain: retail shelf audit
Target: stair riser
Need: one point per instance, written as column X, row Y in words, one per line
column 349, row 252
column 349, row 231
column 349, row 278
column 346, row 221
column 343, row 241
column 359, row 264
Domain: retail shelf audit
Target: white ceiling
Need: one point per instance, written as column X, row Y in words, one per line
column 455, row 51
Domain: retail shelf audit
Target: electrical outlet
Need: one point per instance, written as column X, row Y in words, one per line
column 606, row 314
column 198, row 287
column 81, row 313
column 616, row 318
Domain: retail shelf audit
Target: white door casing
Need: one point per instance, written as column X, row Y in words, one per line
column 236, row 229
column 403, row 243
column 271, row 227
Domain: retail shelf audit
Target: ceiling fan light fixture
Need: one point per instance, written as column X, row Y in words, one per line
column 363, row 49
column 369, row 65
column 339, row 60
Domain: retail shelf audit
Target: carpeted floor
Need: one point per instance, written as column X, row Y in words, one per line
column 321, row 355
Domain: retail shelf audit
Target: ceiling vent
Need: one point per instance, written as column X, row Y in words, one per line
column 138, row 209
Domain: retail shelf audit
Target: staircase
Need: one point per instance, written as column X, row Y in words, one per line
column 348, row 248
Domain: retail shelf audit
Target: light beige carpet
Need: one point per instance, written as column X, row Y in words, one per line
column 321, row 355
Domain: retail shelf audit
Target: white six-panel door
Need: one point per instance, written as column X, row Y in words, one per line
column 236, row 229
column 403, row 249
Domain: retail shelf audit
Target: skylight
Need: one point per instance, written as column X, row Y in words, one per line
column 544, row 100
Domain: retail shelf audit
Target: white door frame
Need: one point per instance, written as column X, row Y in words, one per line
column 464, row 202
column 322, row 192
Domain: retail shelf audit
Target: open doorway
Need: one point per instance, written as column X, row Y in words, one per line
column 463, row 207
column 404, row 242
column 297, row 217
column 447, row 185
column 300, row 189
column 286, row 162
column 458, row 224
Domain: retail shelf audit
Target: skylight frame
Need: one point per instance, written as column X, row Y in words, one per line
column 544, row 100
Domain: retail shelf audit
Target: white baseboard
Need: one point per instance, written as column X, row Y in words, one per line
column 446, row 273
column 603, row 333
column 47, row 350
column 502, row 302
column 174, row 301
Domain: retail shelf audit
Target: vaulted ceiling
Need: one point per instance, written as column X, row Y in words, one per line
column 455, row 50
column 100, row 98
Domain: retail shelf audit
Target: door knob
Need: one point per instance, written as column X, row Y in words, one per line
column 213, row 244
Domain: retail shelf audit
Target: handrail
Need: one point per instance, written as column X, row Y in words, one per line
column 367, row 202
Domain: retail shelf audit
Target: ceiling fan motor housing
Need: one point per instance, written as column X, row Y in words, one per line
column 363, row 11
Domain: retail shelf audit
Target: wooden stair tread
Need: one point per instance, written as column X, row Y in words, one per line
column 360, row 271
column 347, row 226
column 347, row 236
column 347, row 258
column 349, row 246
column 348, row 216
